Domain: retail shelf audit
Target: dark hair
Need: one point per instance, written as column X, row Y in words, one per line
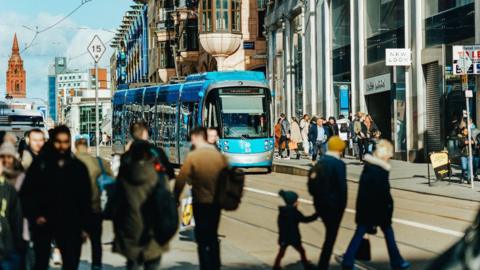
column 81, row 141
column 199, row 131
column 282, row 115
column 214, row 128
column 341, row 117
column 137, row 128
column 332, row 118
column 61, row 129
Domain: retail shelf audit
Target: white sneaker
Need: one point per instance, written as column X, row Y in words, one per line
column 57, row 257
column 287, row 158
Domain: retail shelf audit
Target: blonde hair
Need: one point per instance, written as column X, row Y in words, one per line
column 384, row 149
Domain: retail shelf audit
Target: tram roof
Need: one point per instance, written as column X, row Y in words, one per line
column 227, row 76
column 193, row 85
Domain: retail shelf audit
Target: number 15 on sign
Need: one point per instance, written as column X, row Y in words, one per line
column 96, row 48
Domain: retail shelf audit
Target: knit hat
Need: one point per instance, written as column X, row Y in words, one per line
column 336, row 144
column 8, row 149
column 289, row 197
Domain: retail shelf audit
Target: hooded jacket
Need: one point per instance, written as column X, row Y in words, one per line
column 374, row 201
column 134, row 237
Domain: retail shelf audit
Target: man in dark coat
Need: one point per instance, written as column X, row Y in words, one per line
column 330, row 195
column 375, row 206
column 56, row 199
column 289, row 219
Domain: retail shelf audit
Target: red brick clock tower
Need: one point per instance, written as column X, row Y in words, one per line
column 16, row 76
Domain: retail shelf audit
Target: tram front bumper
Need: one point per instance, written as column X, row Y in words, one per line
column 263, row 159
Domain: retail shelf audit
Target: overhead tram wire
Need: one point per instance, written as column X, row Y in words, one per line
column 37, row 32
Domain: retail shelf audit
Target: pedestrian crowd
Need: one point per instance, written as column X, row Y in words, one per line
column 308, row 138
column 55, row 195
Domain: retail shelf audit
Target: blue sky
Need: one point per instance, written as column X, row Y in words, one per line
column 70, row 38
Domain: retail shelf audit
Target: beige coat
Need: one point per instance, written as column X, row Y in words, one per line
column 94, row 172
column 296, row 135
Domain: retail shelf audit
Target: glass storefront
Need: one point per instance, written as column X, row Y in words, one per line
column 341, row 57
column 297, row 65
column 385, row 94
column 384, row 27
column 451, row 25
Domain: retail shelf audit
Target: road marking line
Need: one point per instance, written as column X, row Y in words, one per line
column 396, row 220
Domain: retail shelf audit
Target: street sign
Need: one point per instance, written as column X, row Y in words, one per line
column 398, row 57
column 469, row 94
column 464, row 64
column 96, row 48
column 466, row 59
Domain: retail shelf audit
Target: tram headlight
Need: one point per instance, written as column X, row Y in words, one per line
column 267, row 142
column 226, row 148
column 225, row 143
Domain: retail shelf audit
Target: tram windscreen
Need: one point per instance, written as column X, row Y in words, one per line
column 244, row 115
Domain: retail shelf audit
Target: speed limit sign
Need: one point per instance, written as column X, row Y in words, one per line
column 96, row 48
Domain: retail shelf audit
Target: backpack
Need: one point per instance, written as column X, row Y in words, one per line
column 319, row 185
column 105, row 184
column 163, row 212
column 229, row 189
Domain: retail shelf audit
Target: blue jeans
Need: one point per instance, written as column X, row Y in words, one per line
column 319, row 149
column 466, row 166
column 395, row 258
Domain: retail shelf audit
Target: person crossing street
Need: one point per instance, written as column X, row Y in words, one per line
column 201, row 169
column 328, row 185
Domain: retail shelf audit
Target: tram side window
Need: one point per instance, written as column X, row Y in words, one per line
column 188, row 121
column 171, row 122
column 160, row 125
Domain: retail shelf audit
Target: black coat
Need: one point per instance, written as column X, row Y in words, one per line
column 61, row 194
column 331, row 200
column 11, row 220
column 289, row 219
column 374, row 201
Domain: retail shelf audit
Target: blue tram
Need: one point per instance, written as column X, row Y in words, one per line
column 237, row 103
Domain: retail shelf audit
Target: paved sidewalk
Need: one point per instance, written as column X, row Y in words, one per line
column 404, row 175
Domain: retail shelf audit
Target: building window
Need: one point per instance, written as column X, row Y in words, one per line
column 166, row 55
column 236, row 15
column 262, row 13
column 385, row 27
column 207, row 15
column 190, row 36
column 221, row 20
column 220, row 15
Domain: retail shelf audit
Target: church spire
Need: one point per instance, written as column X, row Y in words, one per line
column 15, row 49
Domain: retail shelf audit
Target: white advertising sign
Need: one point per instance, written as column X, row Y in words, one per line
column 398, row 57
column 378, row 84
column 466, row 58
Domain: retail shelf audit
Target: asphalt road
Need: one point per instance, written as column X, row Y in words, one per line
column 424, row 225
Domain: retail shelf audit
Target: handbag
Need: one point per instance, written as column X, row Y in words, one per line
column 292, row 145
column 363, row 252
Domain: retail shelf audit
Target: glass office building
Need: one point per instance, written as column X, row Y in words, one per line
column 344, row 68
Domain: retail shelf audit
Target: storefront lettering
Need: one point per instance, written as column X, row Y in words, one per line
column 377, row 84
